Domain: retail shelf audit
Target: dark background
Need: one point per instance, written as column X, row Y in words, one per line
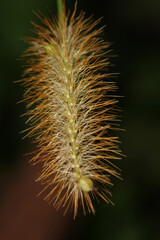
column 134, row 28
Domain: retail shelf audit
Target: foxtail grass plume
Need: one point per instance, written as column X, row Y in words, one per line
column 71, row 110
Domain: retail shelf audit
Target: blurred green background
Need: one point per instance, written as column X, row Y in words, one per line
column 134, row 29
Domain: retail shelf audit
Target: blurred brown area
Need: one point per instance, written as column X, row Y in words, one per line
column 23, row 216
column 134, row 29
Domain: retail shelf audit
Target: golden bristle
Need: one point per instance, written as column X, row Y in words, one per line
column 70, row 110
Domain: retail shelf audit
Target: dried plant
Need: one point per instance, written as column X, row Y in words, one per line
column 71, row 110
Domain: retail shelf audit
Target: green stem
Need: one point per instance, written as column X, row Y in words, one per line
column 60, row 6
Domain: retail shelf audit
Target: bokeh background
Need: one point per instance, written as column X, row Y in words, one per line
column 134, row 29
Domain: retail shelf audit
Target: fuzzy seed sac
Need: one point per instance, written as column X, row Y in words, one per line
column 71, row 111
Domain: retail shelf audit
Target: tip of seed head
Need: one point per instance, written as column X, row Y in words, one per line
column 86, row 184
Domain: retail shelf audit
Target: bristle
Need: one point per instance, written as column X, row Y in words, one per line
column 70, row 110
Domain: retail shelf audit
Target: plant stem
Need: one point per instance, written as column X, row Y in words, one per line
column 60, row 6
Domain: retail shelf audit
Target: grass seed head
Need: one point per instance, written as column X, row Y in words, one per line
column 70, row 110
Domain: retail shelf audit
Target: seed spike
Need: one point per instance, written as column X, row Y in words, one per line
column 71, row 110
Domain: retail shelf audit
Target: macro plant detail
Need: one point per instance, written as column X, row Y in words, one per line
column 71, row 110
